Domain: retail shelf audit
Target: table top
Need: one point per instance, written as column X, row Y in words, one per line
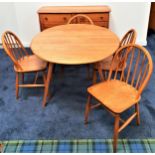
column 75, row 44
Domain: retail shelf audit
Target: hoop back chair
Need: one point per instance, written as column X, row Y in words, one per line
column 80, row 19
column 23, row 61
column 123, row 91
column 128, row 38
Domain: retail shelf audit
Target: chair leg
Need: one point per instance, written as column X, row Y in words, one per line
column 104, row 75
column 36, row 77
column 17, row 87
column 138, row 114
column 123, row 77
column 115, row 137
column 94, row 76
column 99, row 68
column 87, row 109
column 1, row 148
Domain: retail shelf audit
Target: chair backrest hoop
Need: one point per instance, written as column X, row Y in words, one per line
column 129, row 38
column 137, row 58
column 13, row 47
column 80, row 15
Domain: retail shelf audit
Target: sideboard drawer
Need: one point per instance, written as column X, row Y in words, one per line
column 50, row 18
column 49, row 25
column 99, row 17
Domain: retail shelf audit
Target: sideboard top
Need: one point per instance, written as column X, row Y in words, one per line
column 73, row 9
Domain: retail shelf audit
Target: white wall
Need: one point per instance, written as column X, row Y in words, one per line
column 22, row 18
column 7, row 17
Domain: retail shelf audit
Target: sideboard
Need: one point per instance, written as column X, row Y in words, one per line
column 50, row 16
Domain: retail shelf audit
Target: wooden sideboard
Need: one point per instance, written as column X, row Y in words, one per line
column 50, row 16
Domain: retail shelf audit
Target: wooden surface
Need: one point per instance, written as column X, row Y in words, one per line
column 125, row 87
column 75, row 44
column 123, row 91
column 77, row 20
column 116, row 95
column 73, row 9
column 23, row 61
column 128, row 38
column 53, row 16
column 31, row 64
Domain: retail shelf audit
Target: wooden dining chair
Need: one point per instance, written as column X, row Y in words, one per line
column 128, row 38
column 23, row 62
column 117, row 94
column 81, row 19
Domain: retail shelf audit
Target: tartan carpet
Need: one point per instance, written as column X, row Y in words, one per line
column 78, row 146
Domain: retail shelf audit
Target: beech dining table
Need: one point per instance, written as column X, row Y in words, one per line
column 73, row 44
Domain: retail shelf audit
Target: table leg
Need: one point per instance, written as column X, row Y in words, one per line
column 99, row 68
column 47, row 84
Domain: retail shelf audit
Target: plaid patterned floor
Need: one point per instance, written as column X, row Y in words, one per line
column 83, row 145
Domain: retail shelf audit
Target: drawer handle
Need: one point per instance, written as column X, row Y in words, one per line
column 65, row 18
column 46, row 18
column 101, row 17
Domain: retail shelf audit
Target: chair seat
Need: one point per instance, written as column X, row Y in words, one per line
column 31, row 63
column 116, row 95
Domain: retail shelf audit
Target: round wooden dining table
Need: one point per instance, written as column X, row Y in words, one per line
column 73, row 44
